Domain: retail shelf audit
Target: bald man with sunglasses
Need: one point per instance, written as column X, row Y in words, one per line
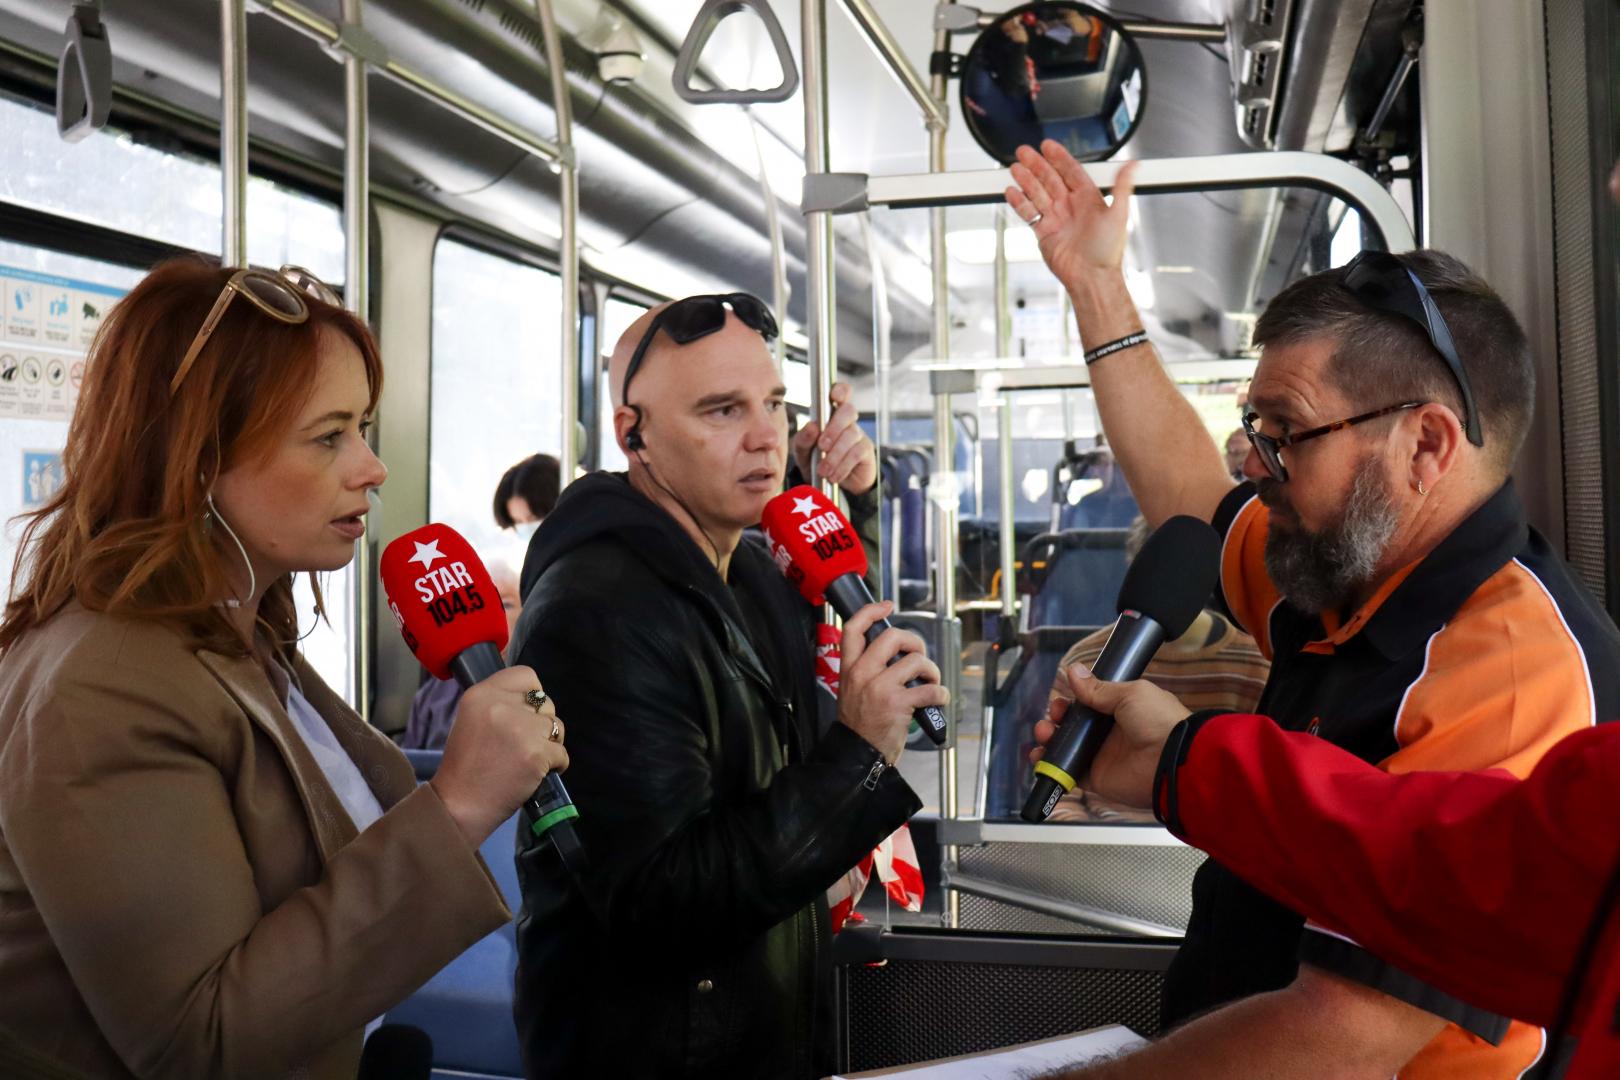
column 716, row 803
column 1380, row 557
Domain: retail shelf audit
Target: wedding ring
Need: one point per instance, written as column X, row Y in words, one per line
column 556, row 730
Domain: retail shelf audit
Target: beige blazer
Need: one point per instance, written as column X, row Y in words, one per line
column 181, row 892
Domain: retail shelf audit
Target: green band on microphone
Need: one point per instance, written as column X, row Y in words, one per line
column 1064, row 780
column 561, row 814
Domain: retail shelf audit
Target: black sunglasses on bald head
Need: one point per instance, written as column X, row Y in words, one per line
column 699, row 316
column 1382, row 282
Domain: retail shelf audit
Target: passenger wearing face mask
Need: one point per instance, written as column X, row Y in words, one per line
column 209, row 865
column 526, row 494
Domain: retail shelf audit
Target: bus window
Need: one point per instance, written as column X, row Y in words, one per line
column 110, row 179
column 616, row 319
column 496, row 374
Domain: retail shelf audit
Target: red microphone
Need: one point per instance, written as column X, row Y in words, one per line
column 815, row 546
column 450, row 614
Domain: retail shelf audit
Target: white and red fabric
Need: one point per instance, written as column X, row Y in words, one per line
column 894, row 861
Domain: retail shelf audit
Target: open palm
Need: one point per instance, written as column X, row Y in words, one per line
column 1079, row 231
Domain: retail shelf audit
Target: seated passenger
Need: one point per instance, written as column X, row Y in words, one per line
column 716, row 806
column 1214, row 665
column 1382, row 560
column 209, row 865
column 433, row 708
column 526, row 493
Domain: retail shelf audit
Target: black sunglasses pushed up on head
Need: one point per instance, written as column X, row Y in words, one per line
column 699, row 316
column 1382, row 282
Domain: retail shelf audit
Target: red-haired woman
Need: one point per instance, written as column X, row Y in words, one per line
column 209, row 866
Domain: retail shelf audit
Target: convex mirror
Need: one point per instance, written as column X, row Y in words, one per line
column 1056, row 70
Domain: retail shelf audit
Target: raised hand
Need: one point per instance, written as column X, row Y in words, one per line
column 1080, row 233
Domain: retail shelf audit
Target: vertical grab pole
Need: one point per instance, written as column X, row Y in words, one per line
column 1004, row 436
column 568, row 199
column 820, row 269
column 950, row 658
column 357, row 295
column 773, row 224
column 883, row 360
column 233, row 130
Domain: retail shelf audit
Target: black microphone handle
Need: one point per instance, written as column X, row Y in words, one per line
column 848, row 594
column 1126, row 655
column 550, row 807
column 397, row 1052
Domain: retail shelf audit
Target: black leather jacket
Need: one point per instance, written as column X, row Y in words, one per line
column 715, row 809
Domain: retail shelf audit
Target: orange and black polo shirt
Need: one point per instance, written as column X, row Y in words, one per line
column 1483, row 654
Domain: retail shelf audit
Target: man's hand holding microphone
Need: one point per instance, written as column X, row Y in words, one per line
column 886, row 679
column 881, row 683
column 1143, row 715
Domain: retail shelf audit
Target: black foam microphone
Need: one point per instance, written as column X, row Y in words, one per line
column 397, row 1052
column 1164, row 590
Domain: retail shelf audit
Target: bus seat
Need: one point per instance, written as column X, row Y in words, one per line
column 1111, row 506
column 912, row 533
column 425, row 762
column 1079, row 585
column 466, row 1008
column 1019, row 703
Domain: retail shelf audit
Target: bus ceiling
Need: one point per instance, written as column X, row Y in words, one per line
column 660, row 184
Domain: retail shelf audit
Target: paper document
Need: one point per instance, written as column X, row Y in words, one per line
column 1015, row 1062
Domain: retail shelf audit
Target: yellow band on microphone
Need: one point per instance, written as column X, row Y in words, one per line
column 1046, row 768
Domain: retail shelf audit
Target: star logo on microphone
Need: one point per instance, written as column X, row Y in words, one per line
column 805, row 506
column 426, row 554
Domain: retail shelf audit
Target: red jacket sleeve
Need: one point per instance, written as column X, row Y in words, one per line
column 1478, row 883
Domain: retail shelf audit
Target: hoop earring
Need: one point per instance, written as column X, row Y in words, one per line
column 1421, row 490
column 253, row 579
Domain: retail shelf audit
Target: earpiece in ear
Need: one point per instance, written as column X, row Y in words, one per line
column 632, row 438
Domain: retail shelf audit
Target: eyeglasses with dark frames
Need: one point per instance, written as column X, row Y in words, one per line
column 1270, row 448
column 1381, row 281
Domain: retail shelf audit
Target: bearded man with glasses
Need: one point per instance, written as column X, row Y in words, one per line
column 1380, row 557
column 716, row 804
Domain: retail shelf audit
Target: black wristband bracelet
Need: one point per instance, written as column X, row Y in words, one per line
column 1138, row 338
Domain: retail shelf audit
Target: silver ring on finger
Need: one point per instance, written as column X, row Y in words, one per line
column 556, row 730
column 535, row 699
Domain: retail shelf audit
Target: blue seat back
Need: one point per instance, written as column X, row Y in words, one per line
column 466, row 1008
column 1110, row 507
column 905, row 524
column 1020, row 702
column 1080, row 585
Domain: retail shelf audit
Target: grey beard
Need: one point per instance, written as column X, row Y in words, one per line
column 1323, row 571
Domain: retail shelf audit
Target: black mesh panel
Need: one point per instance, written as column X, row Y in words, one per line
column 976, row 1007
